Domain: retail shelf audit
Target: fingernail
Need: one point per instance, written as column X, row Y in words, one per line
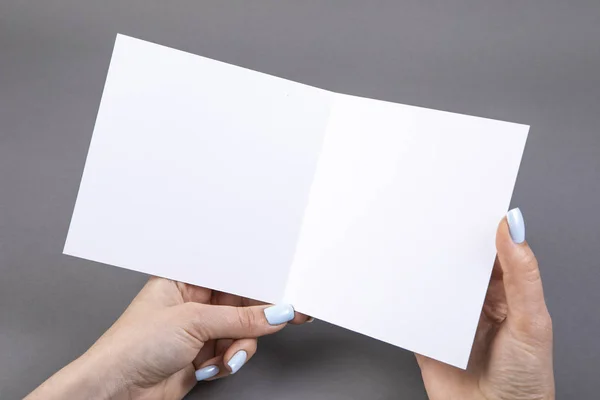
column 516, row 225
column 237, row 361
column 279, row 314
column 310, row 320
column 206, row 372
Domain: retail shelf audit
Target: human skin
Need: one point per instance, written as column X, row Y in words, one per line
column 168, row 332
column 512, row 352
column 173, row 333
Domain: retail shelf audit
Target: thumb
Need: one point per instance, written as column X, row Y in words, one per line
column 521, row 275
column 206, row 322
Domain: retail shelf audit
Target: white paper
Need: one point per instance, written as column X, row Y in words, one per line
column 198, row 171
column 398, row 237
column 374, row 216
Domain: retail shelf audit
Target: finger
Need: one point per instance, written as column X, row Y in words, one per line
column 239, row 353
column 204, row 322
column 235, row 357
column 222, row 346
column 520, row 271
column 157, row 292
column 208, row 351
column 497, row 273
column 299, row 318
column 210, row 369
column 179, row 384
column 194, row 293
column 225, row 299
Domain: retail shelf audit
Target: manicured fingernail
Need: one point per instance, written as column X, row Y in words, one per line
column 237, row 361
column 279, row 314
column 516, row 225
column 310, row 320
column 206, row 372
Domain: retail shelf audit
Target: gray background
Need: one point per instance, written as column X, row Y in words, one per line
column 534, row 62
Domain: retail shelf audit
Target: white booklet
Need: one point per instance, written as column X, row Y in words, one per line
column 374, row 216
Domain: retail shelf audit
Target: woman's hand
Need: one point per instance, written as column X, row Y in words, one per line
column 512, row 353
column 171, row 335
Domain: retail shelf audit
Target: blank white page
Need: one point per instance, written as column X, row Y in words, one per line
column 198, row 170
column 398, row 237
column 377, row 217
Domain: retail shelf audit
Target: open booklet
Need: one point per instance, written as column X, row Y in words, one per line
column 374, row 216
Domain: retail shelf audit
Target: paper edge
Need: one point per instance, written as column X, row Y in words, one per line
column 120, row 37
column 464, row 364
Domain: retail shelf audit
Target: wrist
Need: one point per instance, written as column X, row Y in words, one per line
column 99, row 376
column 88, row 377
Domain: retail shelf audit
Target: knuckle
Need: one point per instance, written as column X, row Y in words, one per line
column 192, row 323
column 187, row 310
column 545, row 326
column 537, row 327
column 246, row 318
column 531, row 268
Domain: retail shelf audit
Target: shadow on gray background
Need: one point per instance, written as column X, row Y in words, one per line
column 533, row 62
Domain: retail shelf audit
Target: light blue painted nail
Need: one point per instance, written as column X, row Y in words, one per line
column 279, row 314
column 516, row 225
column 237, row 361
column 206, row 372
